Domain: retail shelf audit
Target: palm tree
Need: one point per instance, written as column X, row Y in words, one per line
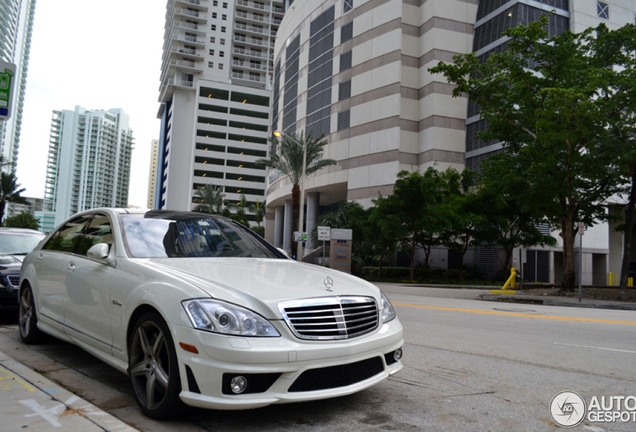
column 210, row 199
column 258, row 210
column 286, row 156
column 241, row 211
column 9, row 191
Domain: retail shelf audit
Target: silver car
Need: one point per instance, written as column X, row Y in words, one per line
column 198, row 310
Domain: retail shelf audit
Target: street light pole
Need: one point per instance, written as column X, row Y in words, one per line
column 301, row 216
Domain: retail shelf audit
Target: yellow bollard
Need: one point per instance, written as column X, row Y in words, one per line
column 630, row 282
column 511, row 282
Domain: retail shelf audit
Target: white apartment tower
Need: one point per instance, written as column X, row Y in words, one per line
column 89, row 161
column 16, row 27
column 215, row 98
column 152, row 173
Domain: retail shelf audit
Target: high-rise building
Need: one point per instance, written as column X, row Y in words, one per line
column 16, row 27
column 357, row 72
column 152, row 173
column 88, row 162
column 215, row 98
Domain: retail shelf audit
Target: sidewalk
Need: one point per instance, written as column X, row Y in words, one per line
column 30, row 401
column 559, row 301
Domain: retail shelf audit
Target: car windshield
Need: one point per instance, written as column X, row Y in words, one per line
column 190, row 235
column 18, row 243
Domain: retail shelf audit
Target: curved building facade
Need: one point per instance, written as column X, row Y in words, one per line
column 356, row 71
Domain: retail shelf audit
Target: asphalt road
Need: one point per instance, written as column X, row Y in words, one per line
column 470, row 365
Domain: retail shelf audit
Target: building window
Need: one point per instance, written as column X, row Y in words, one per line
column 344, row 118
column 215, row 3
column 221, row 53
column 344, row 90
column 211, row 52
column 224, row 5
column 222, row 29
column 346, row 32
column 602, row 10
column 222, row 41
column 213, row 27
column 213, row 14
column 345, row 61
column 221, row 66
column 224, row 17
column 210, row 64
column 348, row 5
column 212, row 39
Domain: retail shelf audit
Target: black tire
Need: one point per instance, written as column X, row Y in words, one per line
column 153, row 368
column 28, row 321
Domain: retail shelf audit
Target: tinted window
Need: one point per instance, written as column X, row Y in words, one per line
column 99, row 231
column 191, row 235
column 68, row 237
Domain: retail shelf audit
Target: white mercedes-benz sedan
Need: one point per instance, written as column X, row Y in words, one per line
column 201, row 311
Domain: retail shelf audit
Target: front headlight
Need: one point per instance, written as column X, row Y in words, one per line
column 388, row 313
column 221, row 317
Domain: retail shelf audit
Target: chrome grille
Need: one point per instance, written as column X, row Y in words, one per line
column 330, row 318
column 14, row 280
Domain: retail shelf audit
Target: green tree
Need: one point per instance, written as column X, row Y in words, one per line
column 508, row 222
column 259, row 211
column 10, row 191
column 286, row 156
column 209, row 199
column 412, row 211
column 22, row 220
column 541, row 101
column 240, row 210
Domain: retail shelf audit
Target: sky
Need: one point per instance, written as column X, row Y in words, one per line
column 99, row 55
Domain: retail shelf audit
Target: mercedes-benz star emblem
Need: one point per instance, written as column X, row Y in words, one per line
column 329, row 283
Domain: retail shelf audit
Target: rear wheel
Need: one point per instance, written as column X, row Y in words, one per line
column 153, row 368
column 29, row 331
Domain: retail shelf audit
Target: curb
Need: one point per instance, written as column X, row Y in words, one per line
column 70, row 412
column 558, row 301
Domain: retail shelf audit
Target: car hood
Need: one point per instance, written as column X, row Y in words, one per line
column 260, row 284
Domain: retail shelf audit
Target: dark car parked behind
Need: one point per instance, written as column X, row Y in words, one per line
column 9, row 282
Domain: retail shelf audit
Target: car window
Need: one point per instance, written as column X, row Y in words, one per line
column 191, row 236
column 13, row 243
column 99, row 231
column 68, row 237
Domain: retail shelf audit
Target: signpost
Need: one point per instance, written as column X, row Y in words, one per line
column 324, row 234
column 7, row 84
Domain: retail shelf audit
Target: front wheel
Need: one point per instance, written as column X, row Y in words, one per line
column 153, row 368
column 28, row 321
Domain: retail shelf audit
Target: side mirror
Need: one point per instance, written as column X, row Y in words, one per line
column 98, row 251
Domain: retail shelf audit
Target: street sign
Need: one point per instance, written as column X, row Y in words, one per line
column 7, row 84
column 581, row 228
column 300, row 236
column 341, row 234
column 324, row 233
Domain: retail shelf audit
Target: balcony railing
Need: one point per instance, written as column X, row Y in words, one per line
column 238, row 50
column 246, row 27
column 254, row 78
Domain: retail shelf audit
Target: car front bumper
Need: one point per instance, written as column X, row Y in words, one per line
column 282, row 369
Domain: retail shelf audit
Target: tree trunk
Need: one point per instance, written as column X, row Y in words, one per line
column 568, row 234
column 629, row 229
column 295, row 214
column 413, row 260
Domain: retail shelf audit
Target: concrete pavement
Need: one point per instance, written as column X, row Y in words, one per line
column 559, row 301
column 30, row 401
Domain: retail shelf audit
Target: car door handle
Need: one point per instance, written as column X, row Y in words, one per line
column 70, row 267
column 39, row 257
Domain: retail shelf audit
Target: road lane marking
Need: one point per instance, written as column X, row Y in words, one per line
column 598, row 348
column 478, row 311
column 28, row 387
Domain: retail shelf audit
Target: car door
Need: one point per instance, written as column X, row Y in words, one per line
column 51, row 267
column 89, row 281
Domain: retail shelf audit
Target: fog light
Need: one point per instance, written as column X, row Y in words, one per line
column 397, row 354
column 238, row 384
